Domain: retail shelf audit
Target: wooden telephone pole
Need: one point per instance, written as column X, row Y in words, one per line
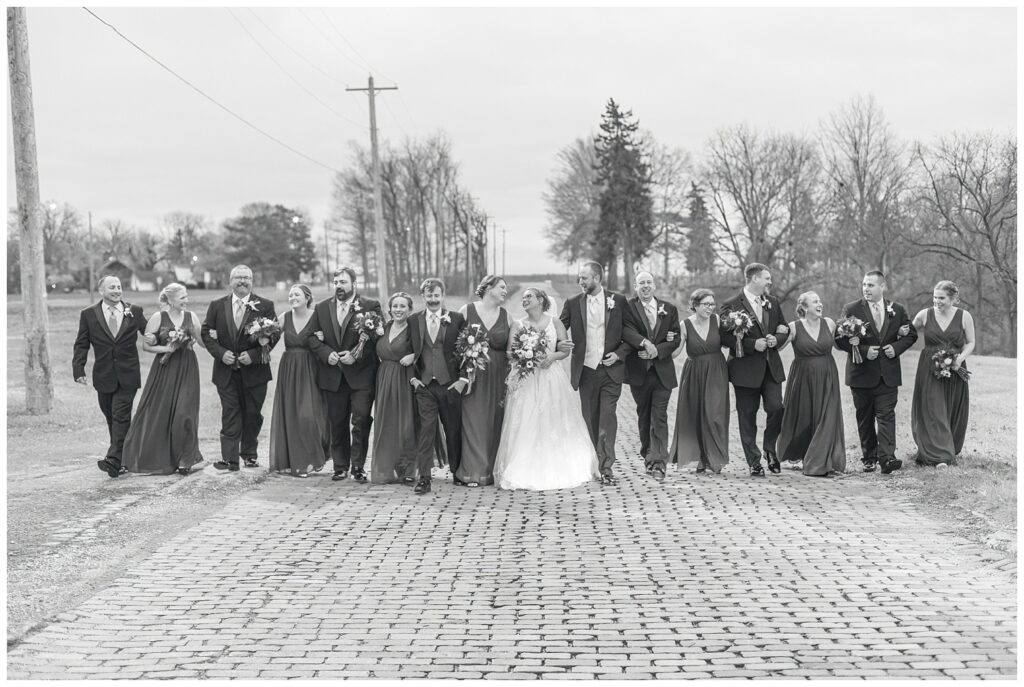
column 378, row 210
column 38, row 377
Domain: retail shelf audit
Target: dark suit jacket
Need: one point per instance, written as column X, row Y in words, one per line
column 637, row 328
column 117, row 353
column 449, row 334
column 221, row 319
column 749, row 371
column 340, row 337
column 574, row 319
column 868, row 374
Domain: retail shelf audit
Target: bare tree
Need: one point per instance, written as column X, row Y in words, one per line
column 572, row 201
column 972, row 192
column 671, row 176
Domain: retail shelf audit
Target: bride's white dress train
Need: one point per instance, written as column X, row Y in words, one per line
column 544, row 440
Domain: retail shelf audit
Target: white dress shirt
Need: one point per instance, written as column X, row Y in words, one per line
column 755, row 302
column 595, row 330
column 117, row 311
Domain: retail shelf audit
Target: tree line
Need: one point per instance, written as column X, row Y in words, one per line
column 819, row 209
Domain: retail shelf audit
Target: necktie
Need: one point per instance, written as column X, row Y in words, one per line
column 651, row 318
column 342, row 311
column 593, row 304
column 877, row 308
column 112, row 321
column 239, row 307
column 432, row 328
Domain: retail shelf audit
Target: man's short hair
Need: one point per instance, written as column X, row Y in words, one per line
column 99, row 282
column 345, row 269
column 431, row 283
column 636, row 277
column 237, row 268
column 753, row 269
column 875, row 273
column 595, row 268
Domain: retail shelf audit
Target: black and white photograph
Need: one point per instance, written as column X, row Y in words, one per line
column 542, row 343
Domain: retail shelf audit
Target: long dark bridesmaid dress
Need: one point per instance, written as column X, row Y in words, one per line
column 299, row 437
column 482, row 412
column 702, row 413
column 939, row 412
column 164, row 434
column 812, row 423
column 394, row 426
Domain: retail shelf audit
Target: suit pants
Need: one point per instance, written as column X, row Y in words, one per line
column 434, row 402
column 652, row 419
column 241, row 418
column 348, row 412
column 117, row 409
column 748, row 400
column 876, row 404
column 599, row 395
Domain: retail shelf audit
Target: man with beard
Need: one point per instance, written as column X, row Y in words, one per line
column 348, row 382
column 239, row 372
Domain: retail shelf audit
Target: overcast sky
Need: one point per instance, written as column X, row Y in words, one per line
column 119, row 136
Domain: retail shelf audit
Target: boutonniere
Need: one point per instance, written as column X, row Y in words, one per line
column 661, row 310
column 127, row 309
column 446, row 317
column 355, row 305
column 610, row 302
column 765, row 303
column 253, row 305
column 889, row 309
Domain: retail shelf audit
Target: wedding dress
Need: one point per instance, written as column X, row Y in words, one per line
column 544, row 440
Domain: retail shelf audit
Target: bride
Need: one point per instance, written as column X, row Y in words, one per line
column 544, row 441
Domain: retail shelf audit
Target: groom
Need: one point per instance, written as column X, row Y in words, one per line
column 112, row 328
column 758, row 374
column 875, row 382
column 594, row 320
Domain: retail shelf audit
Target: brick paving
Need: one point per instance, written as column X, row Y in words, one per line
column 697, row 577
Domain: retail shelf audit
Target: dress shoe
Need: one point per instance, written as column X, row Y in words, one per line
column 183, row 471
column 358, row 475
column 108, row 467
column 251, row 463
column 221, row 465
column 774, row 466
column 757, row 471
column 870, row 466
column 891, row 466
column 422, row 487
column 339, row 476
column 701, row 469
column 658, row 473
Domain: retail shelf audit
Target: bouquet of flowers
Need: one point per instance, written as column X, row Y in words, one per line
column 262, row 330
column 851, row 328
column 529, row 348
column 471, row 347
column 739, row 323
column 942, row 365
column 177, row 338
column 370, row 326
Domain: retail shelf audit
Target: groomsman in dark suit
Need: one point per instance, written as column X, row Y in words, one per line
column 348, row 382
column 595, row 320
column 652, row 328
column 875, row 383
column 112, row 328
column 239, row 372
column 759, row 374
column 437, row 385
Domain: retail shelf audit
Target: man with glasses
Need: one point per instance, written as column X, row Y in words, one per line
column 652, row 328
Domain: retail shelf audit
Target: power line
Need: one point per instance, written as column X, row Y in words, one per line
column 328, row 39
column 208, row 97
column 398, row 123
column 288, row 74
column 349, row 44
column 300, row 55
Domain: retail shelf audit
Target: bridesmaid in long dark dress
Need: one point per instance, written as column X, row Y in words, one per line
column 702, row 412
column 939, row 412
column 482, row 412
column 299, row 438
column 394, row 428
column 812, row 423
column 164, row 434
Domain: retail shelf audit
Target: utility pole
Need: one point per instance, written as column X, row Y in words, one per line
column 92, row 250
column 38, row 377
column 494, row 248
column 378, row 210
column 327, row 256
column 503, row 250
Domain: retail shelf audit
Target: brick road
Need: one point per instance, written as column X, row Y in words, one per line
column 696, row 577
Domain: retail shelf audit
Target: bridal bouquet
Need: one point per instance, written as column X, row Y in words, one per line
column 370, row 326
column 739, row 323
column 177, row 338
column 529, row 348
column 263, row 330
column 852, row 328
column 472, row 348
column 942, row 365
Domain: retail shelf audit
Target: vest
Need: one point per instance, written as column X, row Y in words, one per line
column 432, row 359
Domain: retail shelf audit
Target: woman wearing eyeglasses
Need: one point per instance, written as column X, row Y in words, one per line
column 702, row 412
